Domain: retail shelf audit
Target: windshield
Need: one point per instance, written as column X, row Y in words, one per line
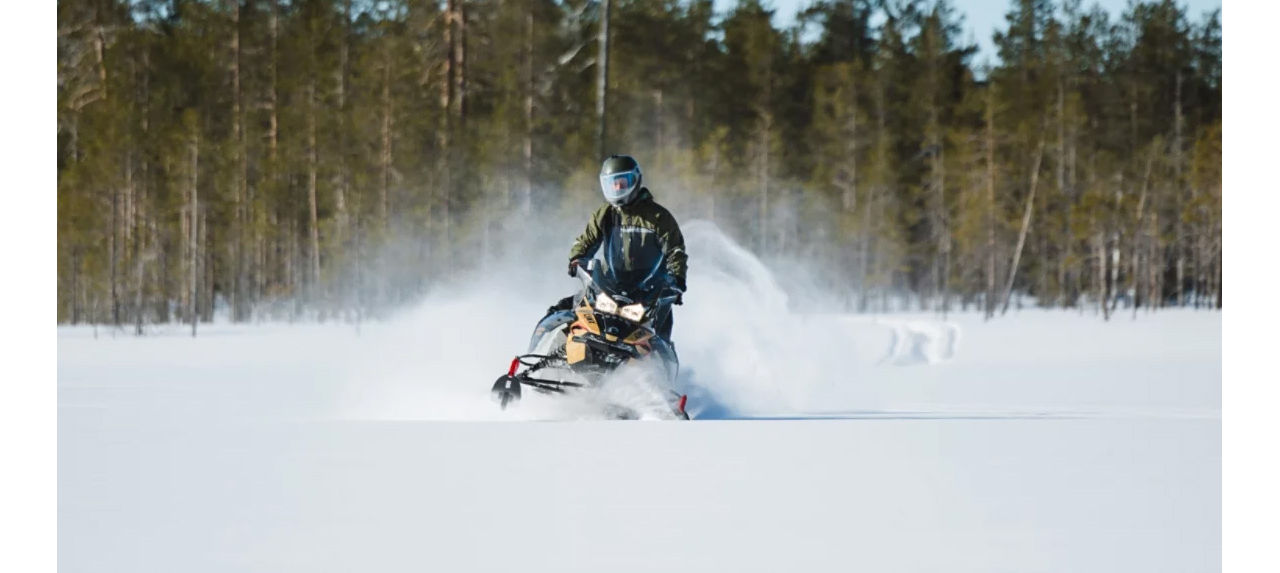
column 633, row 284
column 631, row 264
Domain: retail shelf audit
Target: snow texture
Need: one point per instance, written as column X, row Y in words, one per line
column 1041, row 441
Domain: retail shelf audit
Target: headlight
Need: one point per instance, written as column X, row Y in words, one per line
column 632, row 312
column 606, row 304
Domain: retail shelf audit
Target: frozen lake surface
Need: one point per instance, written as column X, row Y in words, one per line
column 1044, row 441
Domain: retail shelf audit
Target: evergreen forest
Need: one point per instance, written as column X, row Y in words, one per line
column 290, row 159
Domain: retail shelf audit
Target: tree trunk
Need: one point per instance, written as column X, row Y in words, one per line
column 602, row 83
column 525, row 202
column 344, row 130
column 1061, row 163
column 990, row 150
column 138, row 278
column 1217, row 290
column 267, row 239
column 384, row 156
column 1061, row 176
column 144, row 235
column 762, row 222
column 849, row 197
column 1026, row 225
column 312, row 161
column 208, row 270
column 193, row 209
column 241, row 180
column 1117, row 263
column 938, row 219
column 1100, row 279
column 448, row 101
column 113, row 249
column 941, row 227
column 1178, row 264
column 100, row 49
column 461, row 53
column 75, row 286
column 879, row 194
column 135, row 248
column 273, row 121
column 1138, row 226
column 866, row 251
column 1154, row 264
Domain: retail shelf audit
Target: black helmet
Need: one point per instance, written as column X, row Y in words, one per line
column 620, row 179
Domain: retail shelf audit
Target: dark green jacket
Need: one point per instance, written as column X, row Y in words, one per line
column 641, row 228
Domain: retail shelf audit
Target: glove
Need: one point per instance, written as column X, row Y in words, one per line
column 680, row 286
column 573, row 267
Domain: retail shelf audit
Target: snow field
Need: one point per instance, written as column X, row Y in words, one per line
column 1041, row 441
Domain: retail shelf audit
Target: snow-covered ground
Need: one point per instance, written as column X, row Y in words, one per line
column 1041, row 441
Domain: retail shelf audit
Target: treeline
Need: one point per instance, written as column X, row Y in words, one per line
column 274, row 158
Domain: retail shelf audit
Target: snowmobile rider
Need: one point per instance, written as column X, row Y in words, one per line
column 633, row 228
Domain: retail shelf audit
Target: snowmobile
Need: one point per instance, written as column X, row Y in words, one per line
column 605, row 347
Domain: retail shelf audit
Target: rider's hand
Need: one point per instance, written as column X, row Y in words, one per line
column 573, row 267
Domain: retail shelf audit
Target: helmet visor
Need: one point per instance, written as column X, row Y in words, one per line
column 617, row 186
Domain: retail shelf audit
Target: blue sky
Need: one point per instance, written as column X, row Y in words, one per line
column 981, row 17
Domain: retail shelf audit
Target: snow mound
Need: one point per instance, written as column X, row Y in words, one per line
column 920, row 342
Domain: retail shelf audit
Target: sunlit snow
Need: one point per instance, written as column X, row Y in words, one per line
column 1039, row 441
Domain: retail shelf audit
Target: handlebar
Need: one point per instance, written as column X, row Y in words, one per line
column 584, row 273
column 668, row 296
column 667, row 299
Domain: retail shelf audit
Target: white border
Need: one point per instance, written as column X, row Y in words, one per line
column 28, row 484
column 28, row 239
column 1250, row 207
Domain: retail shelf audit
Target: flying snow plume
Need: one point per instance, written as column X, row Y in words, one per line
column 750, row 353
column 438, row 360
column 742, row 350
